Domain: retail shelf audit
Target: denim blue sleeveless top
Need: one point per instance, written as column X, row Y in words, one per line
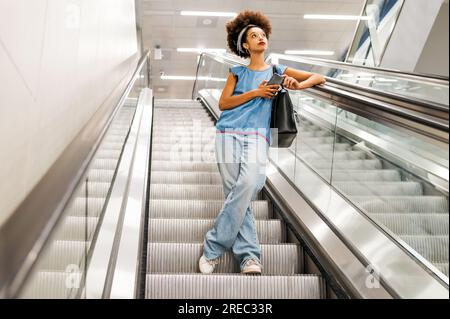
column 252, row 117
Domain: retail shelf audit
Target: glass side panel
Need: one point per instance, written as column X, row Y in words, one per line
column 60, row 270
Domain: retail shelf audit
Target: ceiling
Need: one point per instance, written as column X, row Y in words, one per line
column 163, row 25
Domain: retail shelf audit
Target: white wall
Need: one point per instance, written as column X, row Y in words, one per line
column 410, row 34
column 59, row 60
column 434, row 57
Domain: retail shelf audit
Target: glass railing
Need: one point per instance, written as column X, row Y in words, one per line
column 394, row 177
column 60, row 269
column 428, row 89
column 373, row 33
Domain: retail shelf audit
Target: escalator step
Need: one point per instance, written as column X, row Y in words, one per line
column 104, row 163
column 194, row 230
column 101, row 175
column 368, row 176
column 433, row 248
column 282, row 259
column 348, row 164
column 206, row 157
column 347, row 155
column 185, row 148
column 187, row 191
column 199, row 209
column 50, row 285
column 380, row 188
column 110, row 146
column 158, row 177
column 414, row 224
column 77, row 228
column 111, row 154
column 183, row 140
column 184, row 286
column 186, row 166
column 91, row 207
column 402, row 204
column 63, row 255
column 443, row 267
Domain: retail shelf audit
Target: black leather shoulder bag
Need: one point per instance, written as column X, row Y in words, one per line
column 283, row 120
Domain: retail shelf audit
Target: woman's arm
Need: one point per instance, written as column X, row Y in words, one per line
column 227, row 101
column 304, row 79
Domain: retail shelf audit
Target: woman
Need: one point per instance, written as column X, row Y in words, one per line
column 243, row 138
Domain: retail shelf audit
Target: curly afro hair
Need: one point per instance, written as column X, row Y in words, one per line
column 244, row 18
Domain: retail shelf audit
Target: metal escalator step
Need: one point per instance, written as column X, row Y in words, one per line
column 95, row 189
column 100, row 175
column 281, row 259
column 414, row 224
column 195, row 123
column 104, row 163
column 433, row 248
column 301, row 147
column 105, row 153
column 183, row 166
column 114, row 139
column 194, row 230
column 90, row 207
column 199, row 209
column 77, row 228
column 110, row 146
column 185, row 178
column 63, row 255
column 380, row 188
column 156, row 147
column 185, row 156
column 348, row 164
column 50, row 285
column 186, row 191
column 404, row 204
column 347, row 155
column 183, row 140
column 368, row 176
column 443, row 267
column 172, row 286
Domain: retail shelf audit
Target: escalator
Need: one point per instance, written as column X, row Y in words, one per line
column 185, row 195
column 361, row 195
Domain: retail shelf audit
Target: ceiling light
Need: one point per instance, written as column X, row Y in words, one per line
column 333, row 17
column 208, row 14
column 200, row 50
column 309, row 52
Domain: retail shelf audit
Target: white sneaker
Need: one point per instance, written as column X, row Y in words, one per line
column 252, row 266
column 207, row 266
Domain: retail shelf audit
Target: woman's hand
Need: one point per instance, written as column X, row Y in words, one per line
column 267, row 91
column 291, row 83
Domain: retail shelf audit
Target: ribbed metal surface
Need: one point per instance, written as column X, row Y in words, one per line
column 433, row 248
column 380, row 188
column 414, row 224
column 186, row 191
column 194, row 230
column 362, row 175
column 186, row 178
column 281, row 259
column 198, row 209
column 49, row 285
column 185, row 166
column 390, row 204
column 233, row 287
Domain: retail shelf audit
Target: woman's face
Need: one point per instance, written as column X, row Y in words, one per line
column 256, row 40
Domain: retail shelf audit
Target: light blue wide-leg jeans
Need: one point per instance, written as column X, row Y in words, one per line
column 241, row 159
